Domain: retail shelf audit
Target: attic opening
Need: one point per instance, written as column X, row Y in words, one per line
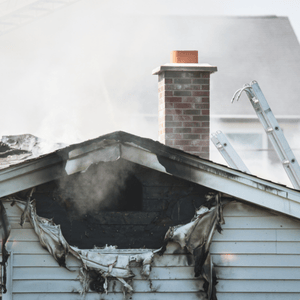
column 110, row 186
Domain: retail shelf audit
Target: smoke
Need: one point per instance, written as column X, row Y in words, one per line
column 85, row 71
column 103, row 187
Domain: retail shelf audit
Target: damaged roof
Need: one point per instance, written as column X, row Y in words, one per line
column 29, row 171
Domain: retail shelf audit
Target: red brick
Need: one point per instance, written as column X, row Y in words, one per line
column 182, row 142
column 173, row 74
column 205, row 87
column 168, row 93
column 205, row 75
column 205, row 112
column 168, row 80
column 186, row 87
column 201, row 118
column 173, row 99
column 182, row 105
column 202, row 106
column 192, row 112
column 205, row 149
column 205, row 143
column 173, row 112
column 200, row 81
column 205, row 100
column 183, row 93
column 200, row 93
column 200, row 130
column 189, row 136
column 204, row 136
column 173, row 124
column 183, row 130
column 193, row 74
column 173, row 136
column 190, row 148
column 192, row 99
column 169, row 130
column 182, row 81
column 191, row 124
column 196, row 143
column 183, row 118
column 169, row 87
column 205, row 124
column 169, row 118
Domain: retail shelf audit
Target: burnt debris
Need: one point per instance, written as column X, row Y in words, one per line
column 97, row 267
column 196, row 237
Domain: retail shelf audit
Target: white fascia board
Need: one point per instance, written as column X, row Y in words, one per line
column 225, row 180
column 80, row 162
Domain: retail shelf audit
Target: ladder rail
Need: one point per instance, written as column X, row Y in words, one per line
column 228, row 152
column 273, row 131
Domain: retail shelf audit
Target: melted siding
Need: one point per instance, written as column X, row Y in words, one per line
column 36, row 275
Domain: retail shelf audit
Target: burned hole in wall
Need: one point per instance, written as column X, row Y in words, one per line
column 90, row 207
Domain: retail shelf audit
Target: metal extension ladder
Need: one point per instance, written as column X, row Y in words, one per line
column 273, row 130
column 227, row 151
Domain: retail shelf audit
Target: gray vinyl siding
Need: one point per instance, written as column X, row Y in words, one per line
column 34, row 274
column 257, row 256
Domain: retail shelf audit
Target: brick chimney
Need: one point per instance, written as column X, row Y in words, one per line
column 183, row 87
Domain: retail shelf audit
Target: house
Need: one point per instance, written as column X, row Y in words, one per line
column 124, row 190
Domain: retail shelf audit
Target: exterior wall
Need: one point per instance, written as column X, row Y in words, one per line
column 184, row 111
column 34, row 274
column 257, row 255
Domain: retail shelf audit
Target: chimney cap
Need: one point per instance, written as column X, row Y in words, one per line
column 203, row 67
column 184, row 56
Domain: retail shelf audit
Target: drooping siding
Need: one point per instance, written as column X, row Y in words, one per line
column 36, row 275
column 257, row 256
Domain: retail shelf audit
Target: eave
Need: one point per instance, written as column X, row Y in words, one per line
column 150, row 154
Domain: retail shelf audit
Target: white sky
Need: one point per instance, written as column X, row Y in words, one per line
column 50, row 68
column 39, row 60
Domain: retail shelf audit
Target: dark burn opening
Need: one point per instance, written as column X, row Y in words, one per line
column 118, row 203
